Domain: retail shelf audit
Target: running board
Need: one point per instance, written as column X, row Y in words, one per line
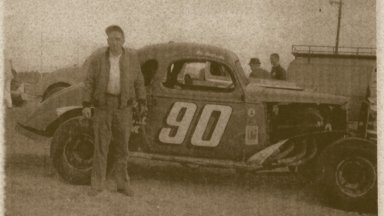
column 196, row 161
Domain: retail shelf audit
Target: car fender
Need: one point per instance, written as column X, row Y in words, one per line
column 348, row 142
column 41, row 117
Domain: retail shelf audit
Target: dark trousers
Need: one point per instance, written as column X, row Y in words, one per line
column 111, row 122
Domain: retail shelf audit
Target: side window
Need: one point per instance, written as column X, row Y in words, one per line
column 149, row 69
column 199, row 75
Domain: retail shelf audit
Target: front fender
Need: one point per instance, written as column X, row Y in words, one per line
column 349, row 142
column 40, row 116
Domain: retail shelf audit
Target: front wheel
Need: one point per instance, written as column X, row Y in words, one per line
column 72, row 150
column 350, row 176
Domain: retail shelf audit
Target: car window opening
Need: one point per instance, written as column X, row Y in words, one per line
column 199, row 75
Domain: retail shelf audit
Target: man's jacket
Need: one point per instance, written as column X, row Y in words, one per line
column 278, row 73
column 131, row 79
column 260, row 73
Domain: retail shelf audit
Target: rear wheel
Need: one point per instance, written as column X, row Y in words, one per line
column 72, row 150
column 350, row 176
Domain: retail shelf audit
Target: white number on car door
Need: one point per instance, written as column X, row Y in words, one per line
column 209, row 128
column 179, row 127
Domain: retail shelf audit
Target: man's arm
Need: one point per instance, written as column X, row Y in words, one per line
column 139, row 83
column 140, row 91
column 89, row 83
column 282, row 75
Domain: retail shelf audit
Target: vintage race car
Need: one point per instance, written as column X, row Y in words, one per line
column 220, row 122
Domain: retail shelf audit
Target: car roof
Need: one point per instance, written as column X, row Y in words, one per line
column 184, row 48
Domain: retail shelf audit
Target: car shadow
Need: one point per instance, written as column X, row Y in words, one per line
column 281, row 183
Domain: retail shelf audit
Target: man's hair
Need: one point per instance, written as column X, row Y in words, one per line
column 114, row 28
column 275, row 55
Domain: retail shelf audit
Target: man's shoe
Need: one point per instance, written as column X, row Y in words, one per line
column 127, row 191
column 94, row 192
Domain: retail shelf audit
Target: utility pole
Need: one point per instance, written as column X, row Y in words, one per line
column 340, row 3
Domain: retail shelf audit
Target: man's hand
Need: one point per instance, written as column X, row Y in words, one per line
column 87, row 113
column 328, row 127
column 142, row 110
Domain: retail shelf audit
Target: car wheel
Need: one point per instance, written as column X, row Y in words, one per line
column 350, row 176
column 72, row 150
column 52, row 90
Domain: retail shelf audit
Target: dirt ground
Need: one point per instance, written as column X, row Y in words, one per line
column 32, row 188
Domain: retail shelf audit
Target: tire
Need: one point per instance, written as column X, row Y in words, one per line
column 53, row 89
column 350, row 175
column 72, row 150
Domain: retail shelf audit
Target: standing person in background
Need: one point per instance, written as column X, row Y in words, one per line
column 114, row 83
column 256, row 71
column 277, row 71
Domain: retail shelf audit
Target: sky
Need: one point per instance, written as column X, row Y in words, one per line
column 46, row 35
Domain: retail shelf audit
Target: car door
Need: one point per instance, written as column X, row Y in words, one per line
column 199, row 119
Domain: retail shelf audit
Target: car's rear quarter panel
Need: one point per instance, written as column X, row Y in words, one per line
column 46, row 112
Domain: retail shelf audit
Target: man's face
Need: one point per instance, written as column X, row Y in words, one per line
column 274, row 60
column 254, row 66
column 115, row 40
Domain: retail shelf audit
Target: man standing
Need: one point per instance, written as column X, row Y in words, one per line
column 113, row 84
column 256, row 70
column 277, row 71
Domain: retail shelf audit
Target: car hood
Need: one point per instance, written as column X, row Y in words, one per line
column 288, row 92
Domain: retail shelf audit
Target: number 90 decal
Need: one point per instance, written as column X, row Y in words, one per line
column 209, row 128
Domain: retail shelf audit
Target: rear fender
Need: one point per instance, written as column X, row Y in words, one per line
column 42, row 116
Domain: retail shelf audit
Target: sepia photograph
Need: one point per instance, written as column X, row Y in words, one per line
column 184, row 108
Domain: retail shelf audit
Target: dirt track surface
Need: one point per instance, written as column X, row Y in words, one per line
column 32, row 188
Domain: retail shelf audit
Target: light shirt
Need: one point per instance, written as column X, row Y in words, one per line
column 114, row 75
